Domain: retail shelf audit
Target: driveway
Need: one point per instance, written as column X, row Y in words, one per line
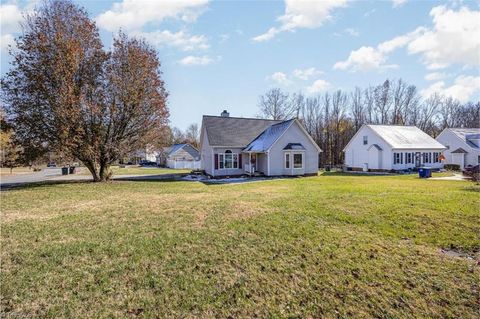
column 455, row 177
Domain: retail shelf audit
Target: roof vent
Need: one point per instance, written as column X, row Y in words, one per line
column 225, row 114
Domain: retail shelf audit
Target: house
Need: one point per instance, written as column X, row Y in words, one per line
column 462, row 146
column 147, row 153
column 234, row 146
column 392, row 147
column 180, row 156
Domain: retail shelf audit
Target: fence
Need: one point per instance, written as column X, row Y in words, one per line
column 184, row 164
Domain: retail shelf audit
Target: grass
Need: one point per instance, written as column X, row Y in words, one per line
column 328, row 246
column 137, row 170
column 4, row 171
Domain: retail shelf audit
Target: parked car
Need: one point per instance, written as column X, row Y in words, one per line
column 147, row 163
column 470, row 170
column 52, row 164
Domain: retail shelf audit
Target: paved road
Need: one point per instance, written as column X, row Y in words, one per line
column 29, row 178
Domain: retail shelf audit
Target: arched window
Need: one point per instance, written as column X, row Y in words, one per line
column 228, row 160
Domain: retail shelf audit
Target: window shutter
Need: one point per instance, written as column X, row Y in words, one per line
column 240, row 161
column 215, row 160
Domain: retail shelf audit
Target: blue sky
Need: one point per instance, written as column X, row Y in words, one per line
column 223, row 55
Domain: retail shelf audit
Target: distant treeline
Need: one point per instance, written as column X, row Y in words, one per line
column 333, row 118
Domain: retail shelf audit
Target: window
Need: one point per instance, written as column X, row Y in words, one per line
column 365, row 140
column 297, row 161
column 436, row 157
column 227, row 160
column 427, row 157
column 220, row 161
column 409, row 158
column 287, row 160
column 397, row 158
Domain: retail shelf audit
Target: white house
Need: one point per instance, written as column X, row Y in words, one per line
column 232, row 146
column 392, row 147
column 180, row 156
column 462, row 146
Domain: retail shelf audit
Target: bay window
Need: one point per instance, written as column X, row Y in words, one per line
column 297, row 160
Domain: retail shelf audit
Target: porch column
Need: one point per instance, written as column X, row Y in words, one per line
column 250, row 163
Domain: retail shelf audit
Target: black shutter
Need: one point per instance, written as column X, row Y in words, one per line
column 215, row 160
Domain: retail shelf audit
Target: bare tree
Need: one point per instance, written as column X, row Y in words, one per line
column 276, row 105
column 382, row 100
column 192, row 134
column 357, row 109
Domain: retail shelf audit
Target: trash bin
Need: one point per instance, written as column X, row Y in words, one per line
column 327, row 168
column 64, row 170
column 425, row 172
column 71, row 170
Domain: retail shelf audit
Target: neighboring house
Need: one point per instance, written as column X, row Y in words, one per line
column 462, row 146
column 392, row 147
column 232, row 146
column 148, row 153
column 180, row 156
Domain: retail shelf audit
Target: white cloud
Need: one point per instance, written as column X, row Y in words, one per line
column 302, row 14
column 364, row 59
column 463, row 88
column 197, row 60
column 318, row 86
column 452, row 39
column 435, row 76
column 10, row 18
column 398, row 3
column 279, row 78
column 181, row 39
column 306, row 74
column 352, row 32
column 7, row 41
column 134, row 14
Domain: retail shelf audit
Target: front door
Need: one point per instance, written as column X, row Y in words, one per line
column 418, row 157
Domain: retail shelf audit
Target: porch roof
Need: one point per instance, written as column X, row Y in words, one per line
column 294, row 146
column 266, row 139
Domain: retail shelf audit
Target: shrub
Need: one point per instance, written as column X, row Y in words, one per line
column 452, row 167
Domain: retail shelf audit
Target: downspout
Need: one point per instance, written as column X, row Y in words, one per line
column 268, row 163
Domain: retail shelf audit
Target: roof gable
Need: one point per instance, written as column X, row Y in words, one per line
column 186, row 147
column 466, row 135
column 233, row 131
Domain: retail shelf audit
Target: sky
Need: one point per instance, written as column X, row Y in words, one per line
column 220, row 55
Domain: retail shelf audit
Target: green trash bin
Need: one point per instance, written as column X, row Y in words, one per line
column 64, row 170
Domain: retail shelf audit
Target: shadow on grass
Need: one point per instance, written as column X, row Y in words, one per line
column 360, row 174
column 47, row 183
column 473, row 188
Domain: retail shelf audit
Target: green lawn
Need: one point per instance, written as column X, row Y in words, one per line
column 136, row 170
column 328, row 246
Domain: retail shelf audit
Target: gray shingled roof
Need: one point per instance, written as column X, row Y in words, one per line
column 186, row 147
column 265, row 140
column 466, row 134
column 234, row 131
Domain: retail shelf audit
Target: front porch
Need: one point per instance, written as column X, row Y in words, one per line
column 256, row 164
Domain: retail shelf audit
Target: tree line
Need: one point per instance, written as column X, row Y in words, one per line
column 332, row 118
